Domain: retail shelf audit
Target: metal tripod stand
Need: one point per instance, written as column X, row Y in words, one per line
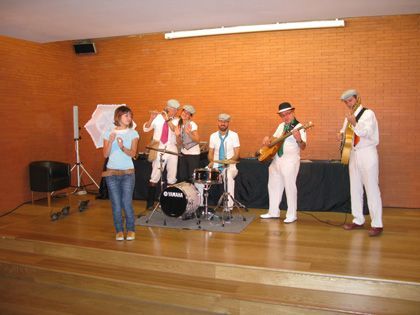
column 205, row 214
column 158, row 207
column 80, row 169
column 224, row 200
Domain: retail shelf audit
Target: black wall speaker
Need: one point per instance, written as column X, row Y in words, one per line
column 84, row 48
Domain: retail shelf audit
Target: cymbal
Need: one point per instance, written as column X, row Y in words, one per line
column 225, row 161
column 163, row 151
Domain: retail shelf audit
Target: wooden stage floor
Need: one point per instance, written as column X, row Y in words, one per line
column 305, row 247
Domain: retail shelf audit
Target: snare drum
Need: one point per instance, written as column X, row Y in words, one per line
column 179, row 199
column 207, row 176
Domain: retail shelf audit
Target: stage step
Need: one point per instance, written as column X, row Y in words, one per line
column 257, row 275
column 28, row 297
column 189, row 285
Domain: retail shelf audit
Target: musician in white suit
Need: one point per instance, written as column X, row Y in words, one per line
column 163, row 125
column 363, row 164
column 224, row 145
column 284, row 168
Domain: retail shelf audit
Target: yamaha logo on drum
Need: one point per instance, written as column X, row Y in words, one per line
column 173, row 194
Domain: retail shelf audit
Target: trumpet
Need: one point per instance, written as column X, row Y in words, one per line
column 156, row 112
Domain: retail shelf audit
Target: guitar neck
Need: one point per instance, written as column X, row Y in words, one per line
column 288, row 134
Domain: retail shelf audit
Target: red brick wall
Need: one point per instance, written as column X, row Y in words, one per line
column 248, row 75
column 36, row 94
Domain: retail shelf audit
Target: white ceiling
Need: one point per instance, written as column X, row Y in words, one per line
column 57, row 20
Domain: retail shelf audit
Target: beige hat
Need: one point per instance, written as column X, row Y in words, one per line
column 224, row 117
column 349, row 93
column 173, row 104
column 189, row 108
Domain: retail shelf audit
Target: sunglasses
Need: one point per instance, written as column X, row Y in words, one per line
column 57, row 215
column 83, row 205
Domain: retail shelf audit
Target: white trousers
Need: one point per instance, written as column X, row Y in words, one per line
column 200, row 188
column 364, row 171
column 171, row 163
column 282, row 175
column 231, row 173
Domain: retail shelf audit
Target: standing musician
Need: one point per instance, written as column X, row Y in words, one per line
column 363, row 165
column 224, row 145
column 284, row 168
column 163, row 125
column 187, row 137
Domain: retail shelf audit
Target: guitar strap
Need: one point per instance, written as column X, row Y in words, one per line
column 287, row 128
column 356, row 137
column 360, row 113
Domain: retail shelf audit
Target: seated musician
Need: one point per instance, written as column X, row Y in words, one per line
column 224, row 146
column 284, row 168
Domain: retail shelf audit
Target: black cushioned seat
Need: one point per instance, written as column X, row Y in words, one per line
column 49, row 176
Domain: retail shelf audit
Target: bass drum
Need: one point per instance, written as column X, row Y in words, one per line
column 180, row 199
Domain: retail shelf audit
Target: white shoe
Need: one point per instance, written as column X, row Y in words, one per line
column 268, row 216
column 131, row 236
column 119, row 236
column 290, row 220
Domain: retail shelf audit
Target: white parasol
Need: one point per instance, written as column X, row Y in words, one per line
column 102, row 120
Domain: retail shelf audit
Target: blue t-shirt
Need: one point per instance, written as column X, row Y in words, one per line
column 118, row 160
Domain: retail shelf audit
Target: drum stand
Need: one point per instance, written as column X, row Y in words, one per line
column 205, row 214
column 161, row 190
column 224, row 200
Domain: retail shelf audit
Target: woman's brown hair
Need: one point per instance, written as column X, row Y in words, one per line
column 121, row 111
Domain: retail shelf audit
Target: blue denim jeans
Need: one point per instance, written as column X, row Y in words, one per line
column 120, row 189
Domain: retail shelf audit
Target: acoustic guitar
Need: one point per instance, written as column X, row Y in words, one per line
column 346, row 144
column 348, row 136
column 266, row 153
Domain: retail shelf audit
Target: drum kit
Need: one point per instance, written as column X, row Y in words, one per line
column 223, row 202
column 182, row 200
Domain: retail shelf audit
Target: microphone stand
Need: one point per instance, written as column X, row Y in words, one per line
column 161, row 190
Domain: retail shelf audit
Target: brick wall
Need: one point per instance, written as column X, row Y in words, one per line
column 36, row 93
column 248, row 75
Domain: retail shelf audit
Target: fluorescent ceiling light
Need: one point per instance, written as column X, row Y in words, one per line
column 255, row 28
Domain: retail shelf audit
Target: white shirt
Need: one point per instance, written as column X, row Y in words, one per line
column 366, row 128
column 195, row 149
column 157, row 125
column 231, row 142
column 290, row 146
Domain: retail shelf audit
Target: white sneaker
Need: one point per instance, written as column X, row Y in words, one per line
column 131, row 236
column 119, row 236
column 290, row 220
column 268, row 216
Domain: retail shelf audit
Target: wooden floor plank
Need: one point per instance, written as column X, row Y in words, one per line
column 209, row 293
column 23, row 297
column 306, row 246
